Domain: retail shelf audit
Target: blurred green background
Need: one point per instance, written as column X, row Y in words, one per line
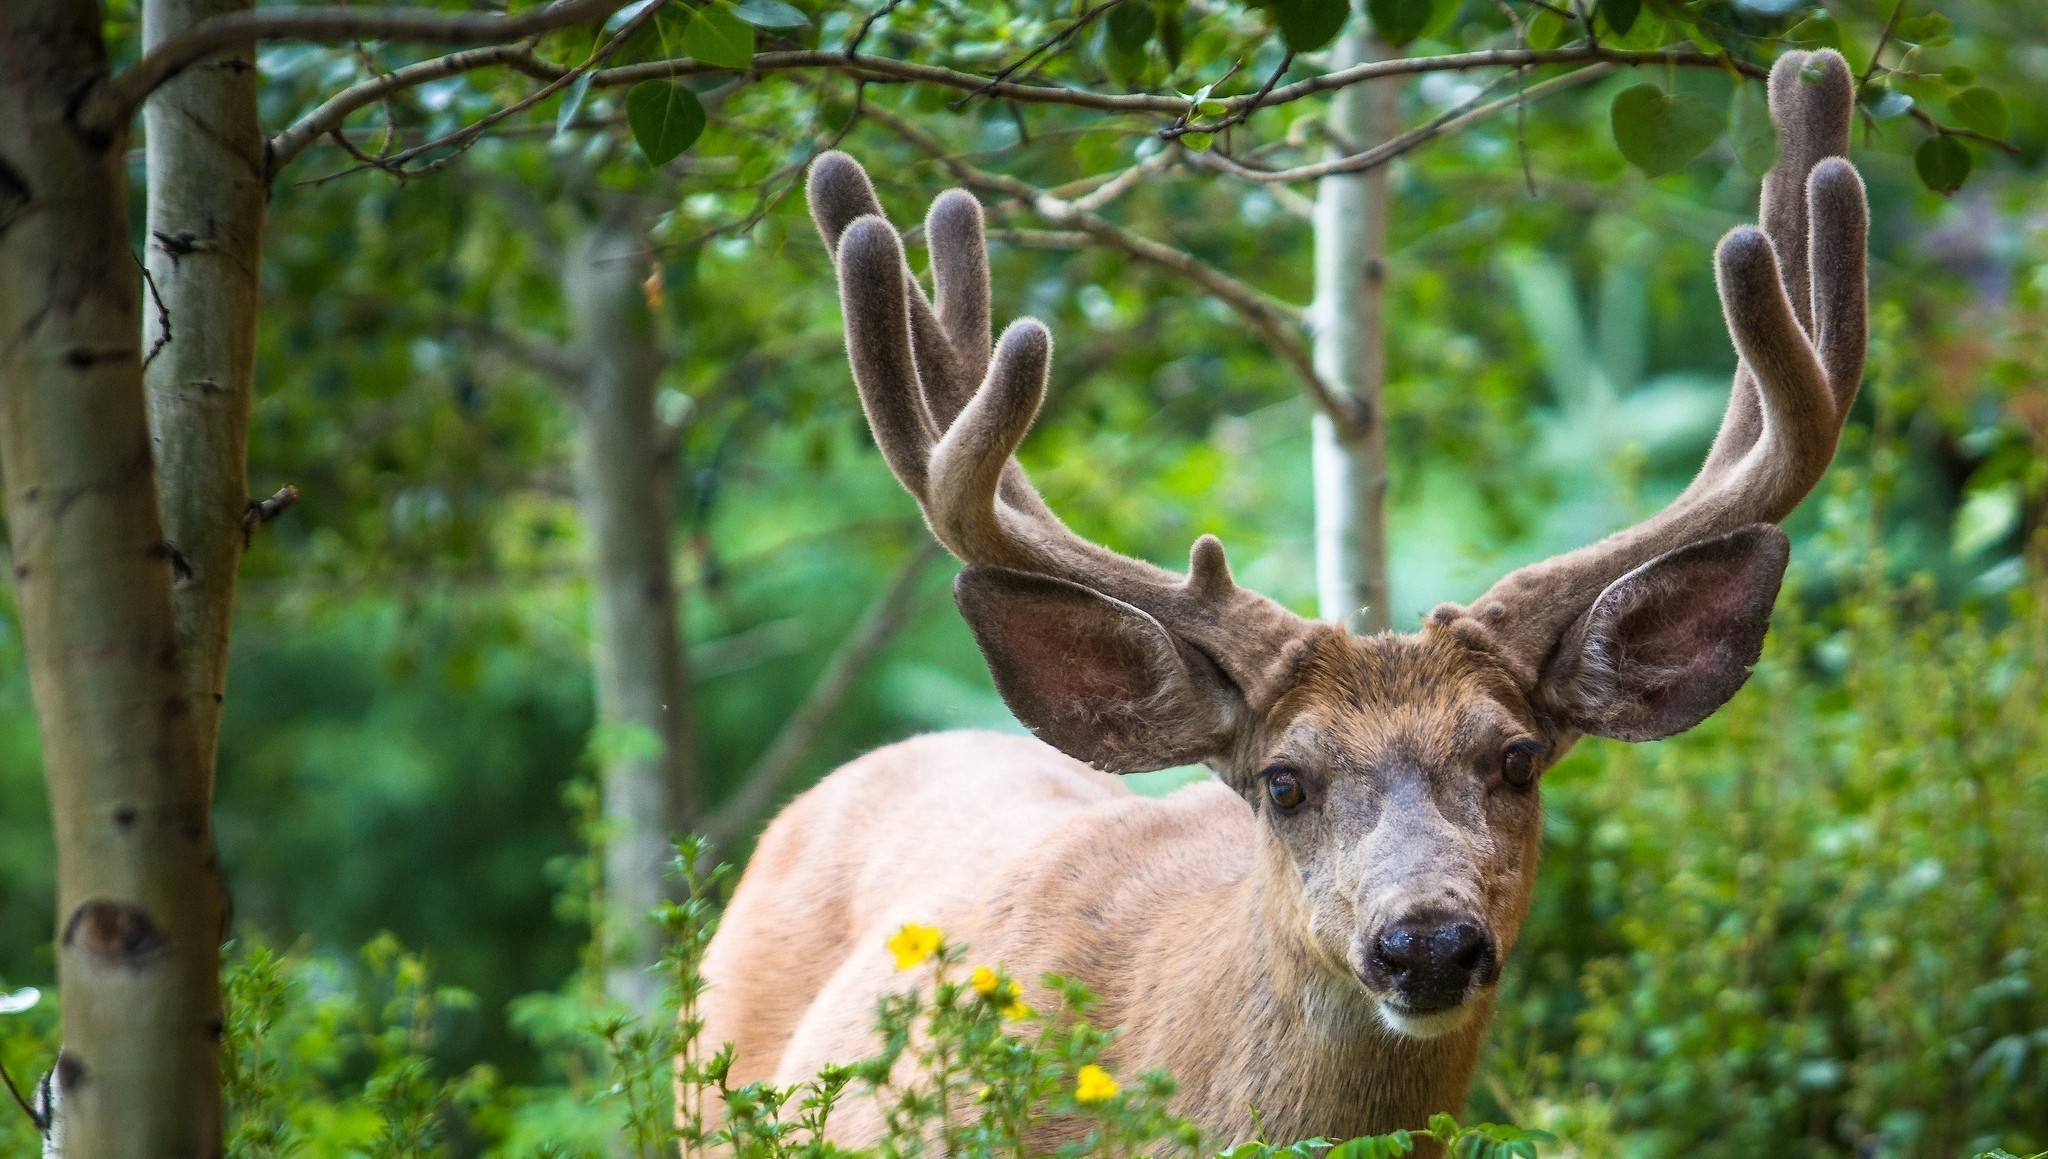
column 1815, row 925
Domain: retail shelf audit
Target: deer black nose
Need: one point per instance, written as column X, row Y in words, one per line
column 1431, row 961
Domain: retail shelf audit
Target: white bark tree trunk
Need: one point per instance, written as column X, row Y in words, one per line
column 647, row 737
column 138, row 896
column 206, row 200
column 1350, row 468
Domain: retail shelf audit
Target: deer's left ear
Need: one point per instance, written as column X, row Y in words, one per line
column 1670, row 642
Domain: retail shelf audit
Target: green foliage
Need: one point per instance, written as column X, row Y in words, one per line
column 1662, row 132
column 666, row 119
column 1307, row 25
column 718, row 35
column 1943, row 162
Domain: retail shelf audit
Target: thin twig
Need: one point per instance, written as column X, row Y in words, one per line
column 335, row 110
column 1005, row 73
column 41, row 1125
column 1278, row 322
column 257, row 514
column 1449, row 121
column 799, row 734
column 163, row 316
column 1181, row 129
column 1876, row 54
column 113, row 103
column 878, row 68
column 852, row 49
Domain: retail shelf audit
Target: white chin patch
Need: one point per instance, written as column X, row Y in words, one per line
column 1434, row 1024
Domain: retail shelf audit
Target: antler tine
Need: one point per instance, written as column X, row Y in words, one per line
column 1812, row 98
column 872, row 295
column 1794, row 299
column 949, row 414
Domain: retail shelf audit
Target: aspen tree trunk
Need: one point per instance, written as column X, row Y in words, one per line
column 647, row 736
column 206, row 199
column 1350, row 467
column 138, row 899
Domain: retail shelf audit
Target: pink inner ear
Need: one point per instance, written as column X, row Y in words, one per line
column 1670, row 642
column 1688, row 620
column 1077, row 670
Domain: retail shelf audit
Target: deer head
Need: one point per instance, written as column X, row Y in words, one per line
column 1394, row 777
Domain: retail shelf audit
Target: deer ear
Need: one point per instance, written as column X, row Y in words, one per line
column 1670, row 642
column 1094, row 677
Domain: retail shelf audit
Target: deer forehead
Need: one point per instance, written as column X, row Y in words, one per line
column 1425, row 699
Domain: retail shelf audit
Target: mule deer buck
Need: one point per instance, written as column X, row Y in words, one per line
column 1314, row 936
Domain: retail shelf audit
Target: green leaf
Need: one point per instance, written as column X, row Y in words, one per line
column 717, row 36
column 1307, row 25
column 1662, row 132
column 1444, row 1127
column 572, row 101
column 769, row 14
column 1929, row 28
column 1621, row 14
column 1549, row 30
column 1171, row 38
column 1981, row 109
column 1752, row 131
column 1816, row 31
column 666, row 119
column 1197, row 141
column 1943, row 163
column 1400, row 21
column 1959, row 75
column 1130, row 25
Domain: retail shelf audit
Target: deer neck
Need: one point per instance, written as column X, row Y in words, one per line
column 1267, row 1034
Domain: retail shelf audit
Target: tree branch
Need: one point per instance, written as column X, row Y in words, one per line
column 1278, row 322
column 110, row 106
column 879, row 68
column 800, row 732
column 335, row 110
column 1449, row 121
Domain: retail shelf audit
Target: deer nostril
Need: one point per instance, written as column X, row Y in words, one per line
column 1432, row 961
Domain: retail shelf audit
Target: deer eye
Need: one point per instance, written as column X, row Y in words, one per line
column 1283, row 787
column 1518, row 762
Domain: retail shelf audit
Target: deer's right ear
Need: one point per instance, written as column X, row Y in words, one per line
column 1094, row 677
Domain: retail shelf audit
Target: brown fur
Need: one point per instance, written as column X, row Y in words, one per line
column 1267, row 956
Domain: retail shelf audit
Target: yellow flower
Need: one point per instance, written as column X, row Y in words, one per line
column 984, row 981
column 1093, row 1085
column 1017, row 1011
column 913, row 944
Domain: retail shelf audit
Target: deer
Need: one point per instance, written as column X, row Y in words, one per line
column 1311, row 940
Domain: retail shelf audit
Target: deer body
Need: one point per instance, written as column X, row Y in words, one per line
column 1185, row 913
column 1312, row 941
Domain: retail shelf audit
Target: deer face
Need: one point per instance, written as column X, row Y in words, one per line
column 1398, row 778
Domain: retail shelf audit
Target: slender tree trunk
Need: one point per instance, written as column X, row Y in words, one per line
column 647, row 740
column 1350, row 352
column 139, row 904
column 205, row 163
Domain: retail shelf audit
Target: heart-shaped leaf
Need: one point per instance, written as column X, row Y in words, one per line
column 1662, row 132
column 1621, row 14
column 1943, row 163
column 1981, row 109
column 1752, row 132
column 717, row 36
column 666, row 119
column 1400, row 21
column 1306, row 25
